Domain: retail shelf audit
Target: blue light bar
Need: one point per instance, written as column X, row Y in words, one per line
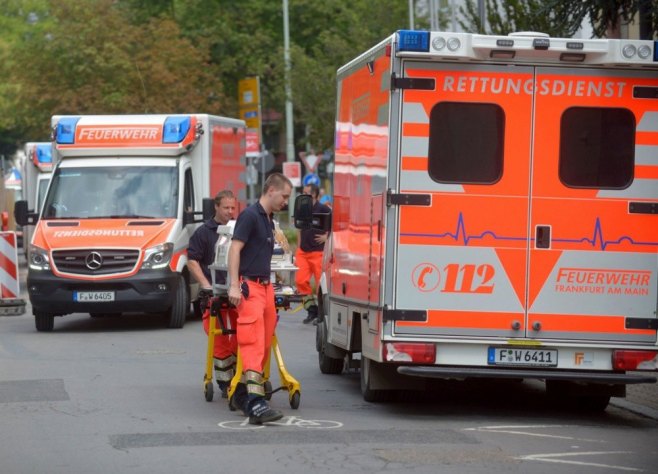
column 175, row 129
column 410, row 40
column 44, row 154
column 655, row 51
column 65, row 131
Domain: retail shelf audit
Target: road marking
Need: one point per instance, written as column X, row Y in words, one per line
column 513, row 429
column 294, row 421
column 554, row 457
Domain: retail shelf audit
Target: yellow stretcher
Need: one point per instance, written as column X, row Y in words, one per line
column 216, row 328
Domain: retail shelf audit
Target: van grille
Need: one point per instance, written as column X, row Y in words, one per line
column 95, row 261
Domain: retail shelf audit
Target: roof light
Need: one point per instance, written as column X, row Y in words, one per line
column 628, row 51
column 644, row 51
column 502, row 54
column 635, row 360
column 439, row 43
column 414, row 40
column 175, row 129
column 541, row 43
column 43, row 154
column 454, row 44
column 422, row 353
column 65, row 130
column 572, row 57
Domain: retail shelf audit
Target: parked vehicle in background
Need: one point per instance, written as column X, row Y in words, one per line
column 495, row 214
column 126, row 195
column 37, row 169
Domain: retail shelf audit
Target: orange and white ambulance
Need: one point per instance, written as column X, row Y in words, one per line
column 126, row 194
column 37, row 169
column 495, row 213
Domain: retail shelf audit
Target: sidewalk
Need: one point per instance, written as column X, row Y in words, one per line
column 640, row 398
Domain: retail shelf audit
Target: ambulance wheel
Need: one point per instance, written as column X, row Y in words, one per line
column 370, row 394
column 294, row 400
column 208, row 391
column 178, row 311
column 593, row 403
column 44, row 322
column 268, row 390
column 328, row 365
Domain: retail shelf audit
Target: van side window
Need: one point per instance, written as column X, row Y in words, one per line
column 188, row 196
column 597, row 147
column 466, row 143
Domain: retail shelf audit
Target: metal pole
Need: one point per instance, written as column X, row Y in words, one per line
column 290, row 143
column 483, row 20
column 411, row 14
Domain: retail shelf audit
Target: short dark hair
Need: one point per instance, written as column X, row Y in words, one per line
column 315, row 191
column 276, row 181
column 227, row 193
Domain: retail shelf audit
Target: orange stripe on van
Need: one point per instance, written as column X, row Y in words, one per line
column 467, row 319
column 580, row 323
column 414, row 163
column 646, row 172
column 415, row 130
column 646, row 138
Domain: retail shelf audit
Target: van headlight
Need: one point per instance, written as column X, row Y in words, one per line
column 158, row 256
column 39, row 259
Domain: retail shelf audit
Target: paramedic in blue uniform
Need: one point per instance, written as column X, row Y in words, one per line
column 201, row 254
column 251, row 291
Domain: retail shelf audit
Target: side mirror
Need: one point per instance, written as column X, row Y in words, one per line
column 23, row 216
column 303, row 213
column 208, row 208
column 322, row 221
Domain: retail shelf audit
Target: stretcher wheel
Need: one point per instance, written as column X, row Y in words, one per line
column 294, row 400
column 208, row 391
column 268, row 390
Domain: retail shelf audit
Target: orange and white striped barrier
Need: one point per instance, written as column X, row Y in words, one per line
column 10, row 303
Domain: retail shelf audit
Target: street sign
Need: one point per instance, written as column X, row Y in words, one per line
column 253, row 142
column 311, row 178
column 249, row 101
column 293, row 171
column 311, row 161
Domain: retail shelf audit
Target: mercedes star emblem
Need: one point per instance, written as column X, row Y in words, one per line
column 94, row 261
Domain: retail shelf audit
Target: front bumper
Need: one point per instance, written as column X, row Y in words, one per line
column 146, row 291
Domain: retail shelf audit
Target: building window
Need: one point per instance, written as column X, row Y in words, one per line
column 466, row 143
column 597, row 147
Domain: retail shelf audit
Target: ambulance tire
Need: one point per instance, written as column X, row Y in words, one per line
column 593, row 403
column 370, row 394
column 44, row 322
column 328, row 365
column 178, row 311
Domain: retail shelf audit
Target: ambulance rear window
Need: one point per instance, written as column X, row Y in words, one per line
column 597, row 147
column 466, row 143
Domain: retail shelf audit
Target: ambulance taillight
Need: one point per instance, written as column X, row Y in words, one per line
column 417, row 352
column 634, row 360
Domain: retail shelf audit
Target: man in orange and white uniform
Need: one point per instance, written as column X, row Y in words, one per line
column 251, row 292
column 308, row 258
column 201, row 254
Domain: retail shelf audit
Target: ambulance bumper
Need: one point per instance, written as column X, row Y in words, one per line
column 149, row 291
column 609, row 378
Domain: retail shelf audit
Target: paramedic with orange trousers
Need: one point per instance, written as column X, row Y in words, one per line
column 308, row 257
column 251, row 291
column 201, row 254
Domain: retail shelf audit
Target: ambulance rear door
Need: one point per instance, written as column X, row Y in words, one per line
column 594, row 222
column 461, row 261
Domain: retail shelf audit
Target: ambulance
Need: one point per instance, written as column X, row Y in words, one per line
column 495, row 214
column 126, row 194
column 37, row 169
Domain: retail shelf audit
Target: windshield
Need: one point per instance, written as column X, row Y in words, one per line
column 113, row 192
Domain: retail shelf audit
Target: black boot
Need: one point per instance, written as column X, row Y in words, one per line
column 312, row 314
column 240, row 399
column 260, row 412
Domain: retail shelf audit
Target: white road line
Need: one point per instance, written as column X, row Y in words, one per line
column 553, row 457
column 512, row 430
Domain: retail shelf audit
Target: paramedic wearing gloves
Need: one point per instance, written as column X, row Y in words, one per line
column 251, row 291
column 308, row 257
column 201, row 254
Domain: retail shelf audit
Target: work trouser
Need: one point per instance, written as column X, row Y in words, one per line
column 256, row 323
column 224, row 345
column 309, row 265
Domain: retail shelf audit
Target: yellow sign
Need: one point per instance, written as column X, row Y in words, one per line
column 249, row 101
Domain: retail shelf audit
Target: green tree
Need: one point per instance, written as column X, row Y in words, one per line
column 509, row 16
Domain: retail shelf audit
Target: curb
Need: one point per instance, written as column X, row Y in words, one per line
column 635, row 408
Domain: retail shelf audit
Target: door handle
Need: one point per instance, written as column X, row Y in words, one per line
column 543, row 237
